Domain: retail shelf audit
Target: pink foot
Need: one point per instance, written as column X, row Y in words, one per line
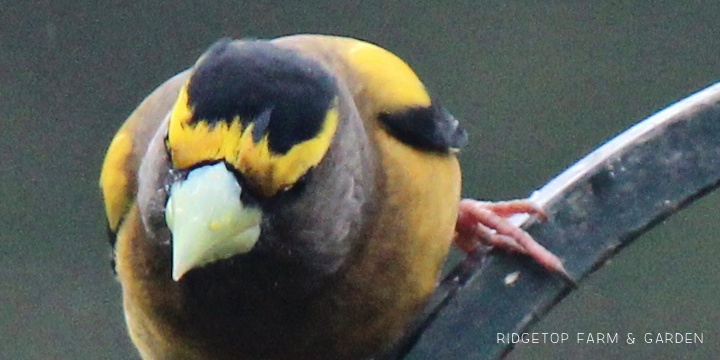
column 485, row 223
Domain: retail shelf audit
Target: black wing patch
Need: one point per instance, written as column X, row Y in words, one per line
column 426, row 128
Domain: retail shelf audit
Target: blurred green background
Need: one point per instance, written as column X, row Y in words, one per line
column 537, row 84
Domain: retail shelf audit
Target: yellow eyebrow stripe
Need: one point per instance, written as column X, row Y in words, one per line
column 271, row 172
column 266, row 172
column 193, row 143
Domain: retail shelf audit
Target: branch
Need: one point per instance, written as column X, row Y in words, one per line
column 596, row 207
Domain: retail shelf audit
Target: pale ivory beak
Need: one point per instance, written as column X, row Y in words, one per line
column 207, row 219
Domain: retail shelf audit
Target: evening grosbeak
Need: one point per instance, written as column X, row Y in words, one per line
column 289, row 199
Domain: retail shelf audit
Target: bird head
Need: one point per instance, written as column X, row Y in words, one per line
column 250, row 122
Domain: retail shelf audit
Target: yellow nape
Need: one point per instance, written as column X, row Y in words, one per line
column 390, row 81
column 114, row 179
column 266, row 172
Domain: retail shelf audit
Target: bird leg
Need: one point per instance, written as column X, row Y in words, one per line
column 485, row 223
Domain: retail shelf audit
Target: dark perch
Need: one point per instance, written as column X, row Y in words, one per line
column 596, row 207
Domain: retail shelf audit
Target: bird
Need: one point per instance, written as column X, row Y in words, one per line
column 291, row 198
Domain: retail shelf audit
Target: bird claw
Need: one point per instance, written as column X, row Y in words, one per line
column 485, row 223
